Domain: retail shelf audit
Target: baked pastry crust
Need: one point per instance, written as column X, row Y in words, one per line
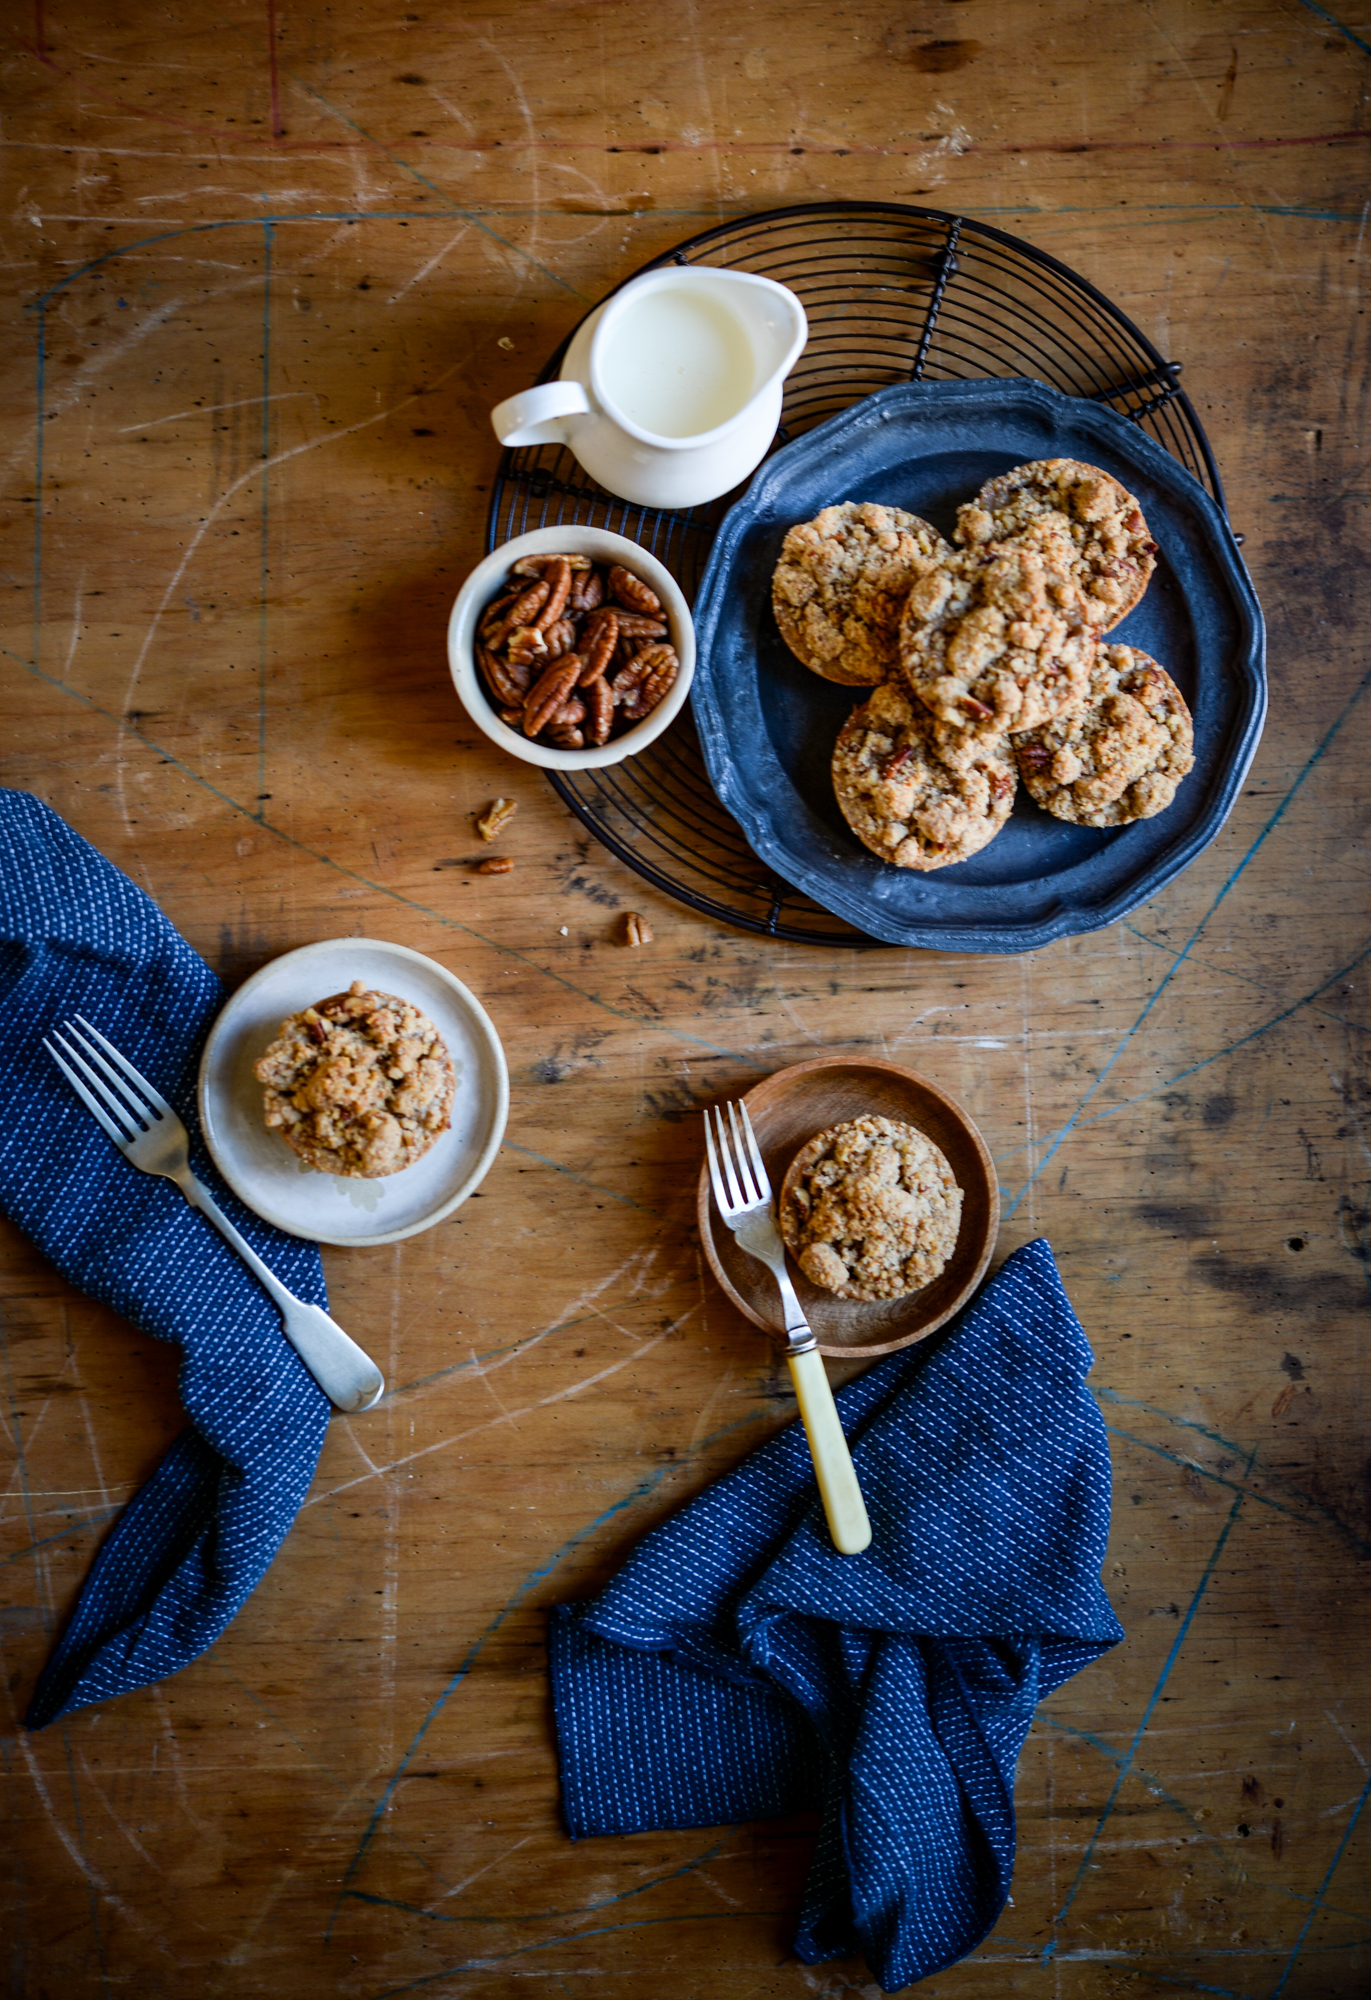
column 1121, row 756
column 840, row 586
column 871, row 1209
column 916, row 801
column 1113, row 554
column 359, row 1085
column 996, row 639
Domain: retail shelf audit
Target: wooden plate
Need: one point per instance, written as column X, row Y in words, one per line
column 786, row 1111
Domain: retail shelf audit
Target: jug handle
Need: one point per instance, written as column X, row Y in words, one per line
column 537, row 416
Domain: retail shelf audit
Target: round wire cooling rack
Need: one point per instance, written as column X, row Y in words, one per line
column 893, row 294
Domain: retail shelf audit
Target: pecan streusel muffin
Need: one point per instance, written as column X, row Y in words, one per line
column 1122, row 755
column 1113, row 554
column 840, row 586
column 359, row 1085
column 997, row 639
column 870, row 1209
column 915, row 800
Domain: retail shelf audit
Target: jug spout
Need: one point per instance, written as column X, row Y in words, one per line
column 774, row 318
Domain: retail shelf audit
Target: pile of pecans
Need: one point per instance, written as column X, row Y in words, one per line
column 574, row 651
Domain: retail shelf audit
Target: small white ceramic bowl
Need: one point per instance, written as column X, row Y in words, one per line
column 484, row 583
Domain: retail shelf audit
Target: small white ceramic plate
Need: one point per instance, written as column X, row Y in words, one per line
column 260, row 1167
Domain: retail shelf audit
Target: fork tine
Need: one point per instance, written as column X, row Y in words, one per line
column 124, row 1067
column 131, row 1116
column 736, row 1198
column 85, row 1056
column 718, row 1158
column 751, row 1195
column 96, row 1110
column 737, row 1166
column 760, row 1173
column 716, row 1179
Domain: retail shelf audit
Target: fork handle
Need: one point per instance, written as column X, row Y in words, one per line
column 348, row 1377
column 838, row 1489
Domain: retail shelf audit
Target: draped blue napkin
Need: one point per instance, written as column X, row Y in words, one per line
column 737, row 1667
column 76, row 936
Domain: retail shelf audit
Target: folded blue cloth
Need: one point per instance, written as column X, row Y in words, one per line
column 76, row 936
column 737, row 1667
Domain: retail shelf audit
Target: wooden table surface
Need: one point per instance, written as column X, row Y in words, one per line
column 267, row 267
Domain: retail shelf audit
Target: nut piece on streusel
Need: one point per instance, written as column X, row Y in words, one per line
column 358, row 1085
column 870, row 1209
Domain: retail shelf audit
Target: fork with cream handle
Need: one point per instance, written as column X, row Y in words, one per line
column 742, row 1191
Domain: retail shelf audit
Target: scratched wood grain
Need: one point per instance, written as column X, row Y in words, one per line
column 265, row 268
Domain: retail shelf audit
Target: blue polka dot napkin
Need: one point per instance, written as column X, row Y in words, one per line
column 737, row 1667
column 77, row 937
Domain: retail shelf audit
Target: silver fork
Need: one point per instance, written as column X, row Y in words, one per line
column 742, row 1190
column 150, row 1135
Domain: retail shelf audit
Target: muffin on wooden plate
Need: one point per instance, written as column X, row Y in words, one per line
column 870, row 1209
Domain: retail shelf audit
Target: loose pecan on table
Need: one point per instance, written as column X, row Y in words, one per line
column 496, row 817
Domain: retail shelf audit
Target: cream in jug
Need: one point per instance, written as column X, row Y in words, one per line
column 671, row 391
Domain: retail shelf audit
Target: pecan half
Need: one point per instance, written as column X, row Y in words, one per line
column 565, row 738
column 496, row 817
column 637, row 930
column 522, row 611
column 640, row 685
column 535, row 565
column 599, row 700
column 493, row 616
column 494, row 864
column 557, row 576
column 598, row 645
column 560, row 638
column 632, row 592
column 548, row 693
column 634, row 625
column 507, row 682
column 587, row 591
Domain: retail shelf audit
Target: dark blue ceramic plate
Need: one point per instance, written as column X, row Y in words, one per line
column 767, row 725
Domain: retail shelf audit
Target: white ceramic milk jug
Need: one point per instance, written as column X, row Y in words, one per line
column 670, row 392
